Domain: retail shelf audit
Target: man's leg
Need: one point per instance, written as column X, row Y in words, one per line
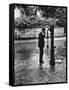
column 41, row 55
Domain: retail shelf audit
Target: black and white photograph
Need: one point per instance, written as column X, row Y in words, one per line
column 39, row 44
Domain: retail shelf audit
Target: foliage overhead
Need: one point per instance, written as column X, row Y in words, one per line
column 30, row 12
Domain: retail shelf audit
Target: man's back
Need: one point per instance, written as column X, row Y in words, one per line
column 41, row 40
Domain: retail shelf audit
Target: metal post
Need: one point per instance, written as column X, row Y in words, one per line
column 47, row 40
column 47, row 44
column 52, row 60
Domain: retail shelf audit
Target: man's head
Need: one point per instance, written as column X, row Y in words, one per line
column 43, row 30
column 51, row 24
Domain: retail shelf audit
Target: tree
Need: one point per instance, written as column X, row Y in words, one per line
column 48, row 11
column 61, row 15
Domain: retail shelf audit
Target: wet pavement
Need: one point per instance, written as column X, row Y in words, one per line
column 28, row 69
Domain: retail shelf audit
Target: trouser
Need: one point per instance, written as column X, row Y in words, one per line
column 41, row 54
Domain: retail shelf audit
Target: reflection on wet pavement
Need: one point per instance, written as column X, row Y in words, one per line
column 28, row 69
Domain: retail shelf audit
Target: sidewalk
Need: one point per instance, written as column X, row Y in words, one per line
column 29, row 71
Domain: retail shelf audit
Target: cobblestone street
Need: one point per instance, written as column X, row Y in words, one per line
column 29, row 71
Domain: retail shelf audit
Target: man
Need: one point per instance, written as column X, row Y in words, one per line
column 41, row 44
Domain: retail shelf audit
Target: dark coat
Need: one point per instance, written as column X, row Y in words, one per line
column 41, row 40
